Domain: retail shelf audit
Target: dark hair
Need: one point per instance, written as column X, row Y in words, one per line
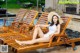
column 52, row 22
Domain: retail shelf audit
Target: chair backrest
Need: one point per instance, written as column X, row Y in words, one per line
column 30, row 16
column 19, row 16
column 43, row 18
column 66, row 20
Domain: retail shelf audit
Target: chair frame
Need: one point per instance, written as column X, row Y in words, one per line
column 50, row 44
column 18, row 49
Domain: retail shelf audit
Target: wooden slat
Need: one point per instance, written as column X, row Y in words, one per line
column 28, row 20
column 38, row 46
column 20, row 15
column 43, row 19
column 66, row 20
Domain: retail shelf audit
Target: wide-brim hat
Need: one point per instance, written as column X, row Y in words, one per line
column 54, row 13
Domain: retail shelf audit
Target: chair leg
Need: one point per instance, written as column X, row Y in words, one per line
column 66, row 41
column 58, row 39
column 73, row 46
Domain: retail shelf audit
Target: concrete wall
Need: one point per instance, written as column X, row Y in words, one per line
column 48, row 3
column 54, row 5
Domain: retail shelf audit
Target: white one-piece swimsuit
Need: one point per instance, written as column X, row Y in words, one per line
column 52, row 30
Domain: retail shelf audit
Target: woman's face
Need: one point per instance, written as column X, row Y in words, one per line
column 55, row 19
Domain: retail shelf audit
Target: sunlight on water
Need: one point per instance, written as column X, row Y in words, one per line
column 35, row 21
column 8, row 22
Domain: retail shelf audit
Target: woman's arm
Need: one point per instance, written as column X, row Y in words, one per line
column 41, row 25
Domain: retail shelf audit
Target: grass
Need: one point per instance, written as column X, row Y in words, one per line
column 14, row 6
column 11, row 6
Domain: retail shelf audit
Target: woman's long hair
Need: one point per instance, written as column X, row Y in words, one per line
column 52, row 22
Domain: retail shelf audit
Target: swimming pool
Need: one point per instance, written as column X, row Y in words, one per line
column 9, row 21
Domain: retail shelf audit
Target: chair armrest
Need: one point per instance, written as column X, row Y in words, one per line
column 55, row 35
column 24, row 26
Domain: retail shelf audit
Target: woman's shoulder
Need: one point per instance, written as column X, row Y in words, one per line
column 58, row 25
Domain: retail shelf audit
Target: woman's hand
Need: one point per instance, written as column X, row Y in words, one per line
column 37, row 25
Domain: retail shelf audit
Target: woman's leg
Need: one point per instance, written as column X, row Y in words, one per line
column 34, row 35
column 41, row 34
column 44, row 39
column 35, row 32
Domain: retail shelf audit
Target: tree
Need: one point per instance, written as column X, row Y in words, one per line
column 1, row 2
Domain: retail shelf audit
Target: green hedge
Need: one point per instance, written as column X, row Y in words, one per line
column 1, row 2
column 13, row 3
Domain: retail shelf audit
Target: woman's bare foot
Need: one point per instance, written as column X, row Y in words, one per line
column 24, row 42
column 19, row 42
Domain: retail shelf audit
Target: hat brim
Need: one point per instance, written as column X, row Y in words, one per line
column 54, row 13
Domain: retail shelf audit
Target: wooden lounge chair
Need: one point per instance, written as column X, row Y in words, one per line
column 60, row 39
column 66, row 21
column 28, row 20
column 19, row 16
column 9, row 37
column 42, row 20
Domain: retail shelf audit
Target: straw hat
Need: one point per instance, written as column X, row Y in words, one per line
column 50, row 17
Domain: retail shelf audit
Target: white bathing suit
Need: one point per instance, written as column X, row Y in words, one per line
column 52, row 30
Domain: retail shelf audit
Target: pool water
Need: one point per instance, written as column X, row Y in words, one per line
column 9, row 21
column 1, row 22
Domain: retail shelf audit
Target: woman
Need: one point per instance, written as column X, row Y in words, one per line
column 54, row 28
